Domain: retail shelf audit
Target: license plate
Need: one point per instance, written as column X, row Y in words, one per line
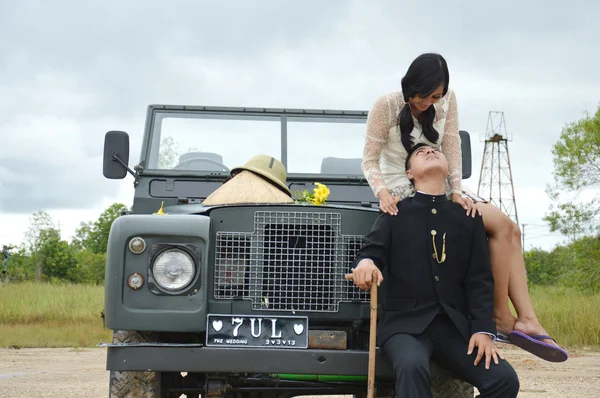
column 257, row 331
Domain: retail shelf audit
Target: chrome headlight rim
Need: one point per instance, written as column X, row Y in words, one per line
column 132, row 243
column 160, row 248
column 186, row 280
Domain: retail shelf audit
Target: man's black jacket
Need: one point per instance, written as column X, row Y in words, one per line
column 417, row 285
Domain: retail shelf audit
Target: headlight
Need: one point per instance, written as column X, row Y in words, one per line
column 173, row 269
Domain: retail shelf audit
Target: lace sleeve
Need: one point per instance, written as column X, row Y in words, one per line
column 451, row 146
column 378, row 125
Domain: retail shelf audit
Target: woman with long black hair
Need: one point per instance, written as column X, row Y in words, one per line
column 425, row 110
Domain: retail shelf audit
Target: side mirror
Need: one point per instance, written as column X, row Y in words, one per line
column 465, row 147
column 116, row 155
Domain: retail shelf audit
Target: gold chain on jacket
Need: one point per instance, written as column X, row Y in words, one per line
column 443, row 248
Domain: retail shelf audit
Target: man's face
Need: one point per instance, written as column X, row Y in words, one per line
column 426, row 159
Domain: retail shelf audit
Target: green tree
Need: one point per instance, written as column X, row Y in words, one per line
column 541, row 270
column 5, row 254
column 576, row 265
column 168, row 153
column 81, row 239
column 583, row 259
column 93, row 236
column 92, row 266
column 576, row 168
column 39, row 222
column 20, row 266
column 57, row 257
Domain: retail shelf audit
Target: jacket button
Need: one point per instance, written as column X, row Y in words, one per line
column 437, row 278
column 434, row 211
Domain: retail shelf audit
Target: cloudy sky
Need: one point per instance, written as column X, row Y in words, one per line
column 72, row 70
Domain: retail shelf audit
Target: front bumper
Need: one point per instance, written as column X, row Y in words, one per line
column 191, row 358
column 201, row 359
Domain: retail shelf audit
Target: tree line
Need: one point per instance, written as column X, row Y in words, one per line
column 576, row 264
column 44, row 255
column 576, row 158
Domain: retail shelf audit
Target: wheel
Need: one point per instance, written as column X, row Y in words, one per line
column 133, row 384
column 444, row 384
column 264, row 394
column 443, row 387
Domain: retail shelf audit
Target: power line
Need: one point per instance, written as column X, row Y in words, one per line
column 544, row 236
column 536, row 226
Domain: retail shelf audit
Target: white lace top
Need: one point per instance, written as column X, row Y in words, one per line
column 384, row 155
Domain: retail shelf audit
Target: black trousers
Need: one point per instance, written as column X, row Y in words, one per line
column 410, row 356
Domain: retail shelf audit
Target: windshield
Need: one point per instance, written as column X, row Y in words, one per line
column 217, row 141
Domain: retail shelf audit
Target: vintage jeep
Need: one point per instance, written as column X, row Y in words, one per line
column 243, row 300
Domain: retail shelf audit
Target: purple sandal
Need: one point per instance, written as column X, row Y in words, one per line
column 536, row 346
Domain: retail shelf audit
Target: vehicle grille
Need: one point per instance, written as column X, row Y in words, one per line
column 293, row 261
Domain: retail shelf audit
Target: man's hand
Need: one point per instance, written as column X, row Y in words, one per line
column 363, row 274
column 486, row 346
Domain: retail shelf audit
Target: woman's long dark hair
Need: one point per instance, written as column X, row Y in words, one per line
column 425, row 74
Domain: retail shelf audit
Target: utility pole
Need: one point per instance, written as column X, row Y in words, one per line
column 495, row 180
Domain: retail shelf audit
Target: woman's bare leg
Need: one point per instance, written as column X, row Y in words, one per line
column 518, row 291
column 500, row 244
column 510, row 276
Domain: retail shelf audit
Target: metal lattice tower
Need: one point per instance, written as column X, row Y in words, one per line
column 495, row 179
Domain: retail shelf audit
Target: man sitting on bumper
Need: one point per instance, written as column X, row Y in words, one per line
column 440, row 287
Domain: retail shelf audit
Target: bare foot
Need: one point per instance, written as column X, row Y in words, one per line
column 505, row 323
column 532, row 328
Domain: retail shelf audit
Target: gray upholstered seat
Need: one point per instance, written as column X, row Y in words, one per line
column 333, row 165
column 202, row 161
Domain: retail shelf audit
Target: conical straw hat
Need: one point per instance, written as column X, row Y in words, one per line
column 247, row 187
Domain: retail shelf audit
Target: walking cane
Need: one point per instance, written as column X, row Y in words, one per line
column 372, row 333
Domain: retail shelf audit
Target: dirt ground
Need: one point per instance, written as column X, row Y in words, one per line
column 65, row 373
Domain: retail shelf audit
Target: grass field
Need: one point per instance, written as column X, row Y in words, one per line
column 54, row 315
column 568, row 315
column 51, row 315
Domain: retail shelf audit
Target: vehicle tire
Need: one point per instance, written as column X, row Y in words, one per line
column 259, row 395
column 443, row 385
column 447, row 387
column 127, row 384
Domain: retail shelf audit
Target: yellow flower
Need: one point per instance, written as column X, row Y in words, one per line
column 321, row 191
column 317, row 197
